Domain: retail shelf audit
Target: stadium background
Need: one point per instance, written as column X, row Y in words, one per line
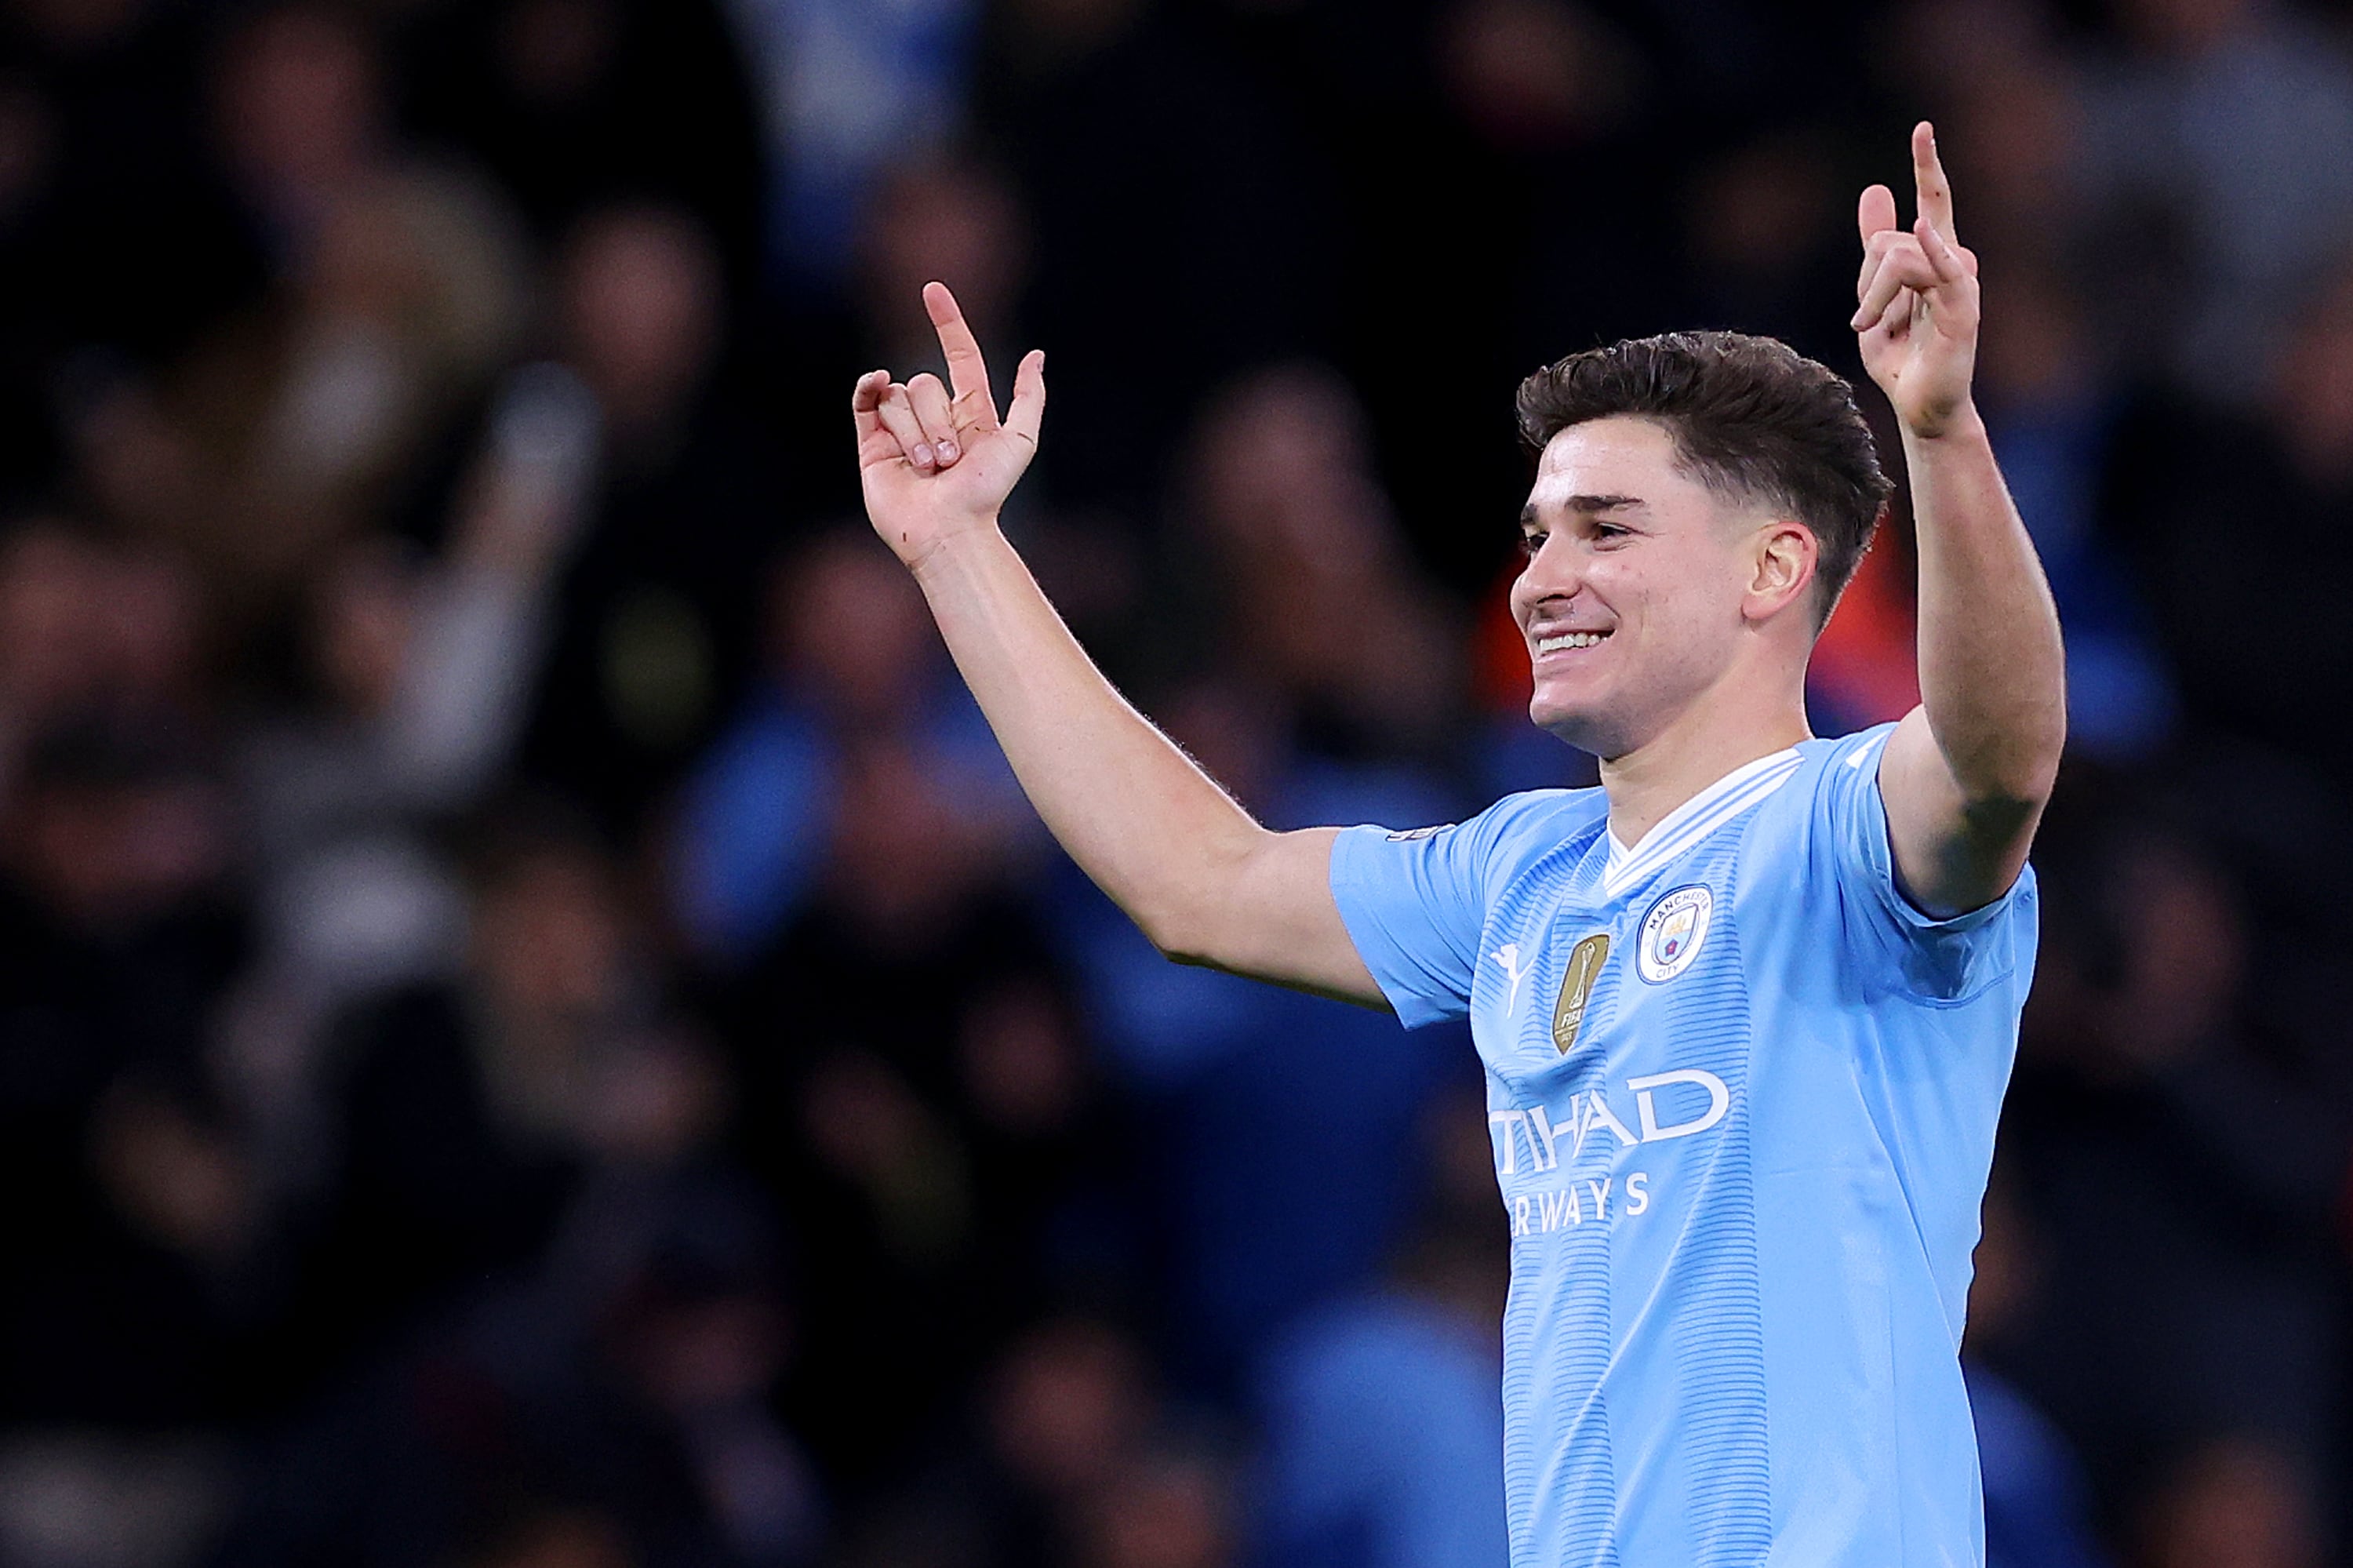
column 534, row 1031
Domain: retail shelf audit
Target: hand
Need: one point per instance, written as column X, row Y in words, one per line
column 932, row 465
column 1917, row 319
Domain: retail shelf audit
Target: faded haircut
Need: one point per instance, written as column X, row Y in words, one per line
column 1751, row 419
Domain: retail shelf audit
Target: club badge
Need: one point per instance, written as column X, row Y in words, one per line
column 1584, row 961
column 1672, row 932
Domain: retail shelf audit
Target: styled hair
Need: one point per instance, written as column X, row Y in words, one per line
column 1751, row 419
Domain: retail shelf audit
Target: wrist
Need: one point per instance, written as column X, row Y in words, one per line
column 1961, row 422
column 947, row 552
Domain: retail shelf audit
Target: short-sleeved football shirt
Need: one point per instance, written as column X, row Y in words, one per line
column 1741, row 1095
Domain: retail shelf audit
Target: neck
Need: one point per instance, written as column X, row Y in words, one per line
column 1725, row 729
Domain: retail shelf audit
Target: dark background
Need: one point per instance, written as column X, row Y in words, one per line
column 535, row 1029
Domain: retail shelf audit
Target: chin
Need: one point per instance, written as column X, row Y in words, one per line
column 1579, row 724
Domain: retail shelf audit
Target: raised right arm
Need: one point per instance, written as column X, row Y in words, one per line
column 1207, row 884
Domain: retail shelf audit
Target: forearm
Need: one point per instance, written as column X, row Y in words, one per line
column 1992, row 674
column 1153, row 831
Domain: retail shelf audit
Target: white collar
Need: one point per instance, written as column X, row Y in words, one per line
column 1687, row 824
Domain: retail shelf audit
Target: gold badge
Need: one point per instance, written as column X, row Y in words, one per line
column 1576, row 988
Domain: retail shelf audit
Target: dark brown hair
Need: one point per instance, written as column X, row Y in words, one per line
column 1751, row 417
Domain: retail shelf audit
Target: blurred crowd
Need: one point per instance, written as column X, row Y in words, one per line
column 535, row 1028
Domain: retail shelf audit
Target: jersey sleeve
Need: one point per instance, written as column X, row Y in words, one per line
column 1938, row 961
column 1415, row 903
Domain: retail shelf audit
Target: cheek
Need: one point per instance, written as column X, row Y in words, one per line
column 1691, row 591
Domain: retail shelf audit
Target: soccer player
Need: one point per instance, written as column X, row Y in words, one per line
column 1747, row 1009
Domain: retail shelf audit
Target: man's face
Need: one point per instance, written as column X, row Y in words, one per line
column 1631, row 600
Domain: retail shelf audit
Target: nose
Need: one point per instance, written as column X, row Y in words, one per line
column 1553, row 574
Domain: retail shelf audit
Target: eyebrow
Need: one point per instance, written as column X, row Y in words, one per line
column 1586, row 505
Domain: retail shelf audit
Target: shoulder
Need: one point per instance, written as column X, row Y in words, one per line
column 1542, row 811
column 1857, row 753
column 1830, row 810
column 1839, row 837
column 1518, row 830
column 1474, row 861
column 1835, row 774
column 1824, row 813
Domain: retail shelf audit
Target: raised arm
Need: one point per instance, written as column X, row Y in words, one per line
column 1207, row 884
column 1967, row 773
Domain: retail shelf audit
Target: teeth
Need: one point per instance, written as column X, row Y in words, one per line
column 1559, row 640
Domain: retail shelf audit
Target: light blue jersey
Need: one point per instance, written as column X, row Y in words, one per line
column 1741, row 1095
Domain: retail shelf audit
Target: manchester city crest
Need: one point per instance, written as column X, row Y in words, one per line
column 1672, row 932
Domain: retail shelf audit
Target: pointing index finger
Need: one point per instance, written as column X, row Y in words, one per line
column 967, row 371
column 1928, row 173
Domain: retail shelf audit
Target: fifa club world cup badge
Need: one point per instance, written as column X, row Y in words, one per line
column 1585, row 962
column 1672, row 932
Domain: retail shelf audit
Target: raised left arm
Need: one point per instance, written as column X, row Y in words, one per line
column 1967, row 773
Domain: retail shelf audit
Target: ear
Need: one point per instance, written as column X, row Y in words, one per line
column 1784, row 553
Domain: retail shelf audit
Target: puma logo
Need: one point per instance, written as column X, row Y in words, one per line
column 1508, row 955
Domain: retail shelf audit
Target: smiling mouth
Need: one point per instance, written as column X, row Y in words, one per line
column 1561, row 641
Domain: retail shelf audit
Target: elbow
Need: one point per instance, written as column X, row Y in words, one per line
column 2014, row 768
column 1211, row 914
column 1202, row 915
column 1167, row 928
column 1180, row 941
column 2009, row 799
column 2025, row 784
column 2034, row 772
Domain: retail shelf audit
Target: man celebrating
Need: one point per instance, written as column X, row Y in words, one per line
column 1748, row 1010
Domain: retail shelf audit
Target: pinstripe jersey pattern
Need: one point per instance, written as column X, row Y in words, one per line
column 1725, row 1208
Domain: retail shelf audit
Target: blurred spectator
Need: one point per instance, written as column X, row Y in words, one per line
column 115, row 228
column 1273, row 1120
column 93, row 626
column 1161, row 181
column 2053, row 416
column 850, row 654
column 1170, row 1507
column 50, row 666
column 2198, row 161
column 846, row 90
column 1770, row 242
column 2037, row 1507
column 2234, row 1504
column 655, row 616
column 134, row 1266
column 300, row 116
column 466, row 1113
column 569, row 101
column 1385, row 1434
column 1551, row 106
column 613, row 1416
column 2181, row 1157
column 955, row 220
column 1315, row 594
column 1863, row 671
column 1069, row 1400
column 918, row 1093
column 308, row 419
column 2006, row 96
column 958, row 218
column 2277, row 487
column 419, row 671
